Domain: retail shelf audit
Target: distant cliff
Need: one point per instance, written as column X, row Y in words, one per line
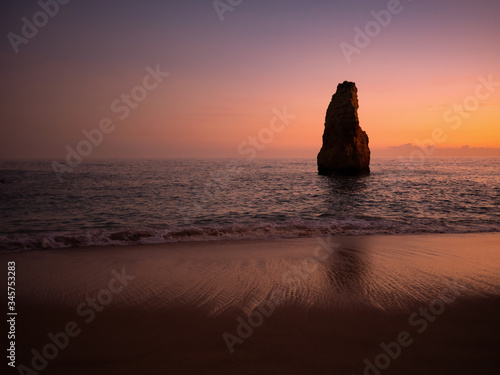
column 345, row 145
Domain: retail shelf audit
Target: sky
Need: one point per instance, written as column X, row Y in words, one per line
column 240, row 77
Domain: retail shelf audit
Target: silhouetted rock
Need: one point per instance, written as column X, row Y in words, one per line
column 345, row 145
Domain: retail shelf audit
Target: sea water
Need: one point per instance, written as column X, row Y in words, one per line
column 118, row 202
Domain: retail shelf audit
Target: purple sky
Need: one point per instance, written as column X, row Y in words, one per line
column 228, row 77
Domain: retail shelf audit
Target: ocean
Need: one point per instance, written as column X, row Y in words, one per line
column 122, row 202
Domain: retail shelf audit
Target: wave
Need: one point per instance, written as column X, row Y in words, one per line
column 294, row 229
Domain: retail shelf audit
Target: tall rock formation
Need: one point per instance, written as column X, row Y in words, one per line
column 345, row 145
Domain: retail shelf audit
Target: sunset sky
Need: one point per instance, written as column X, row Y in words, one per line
column 227, row 77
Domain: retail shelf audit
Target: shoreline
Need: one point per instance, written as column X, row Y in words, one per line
column 241, row 240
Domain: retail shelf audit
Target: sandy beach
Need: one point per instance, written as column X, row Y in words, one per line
column 410, row 304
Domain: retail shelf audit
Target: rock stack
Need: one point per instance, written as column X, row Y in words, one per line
column 345, row 145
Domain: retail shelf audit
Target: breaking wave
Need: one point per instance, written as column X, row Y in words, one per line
column 137, row 236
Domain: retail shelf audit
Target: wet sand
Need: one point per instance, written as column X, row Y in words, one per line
column 423, row 304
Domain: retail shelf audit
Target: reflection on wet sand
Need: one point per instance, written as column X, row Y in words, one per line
column 347, row 269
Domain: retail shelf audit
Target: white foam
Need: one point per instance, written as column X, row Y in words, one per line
column 289, row 229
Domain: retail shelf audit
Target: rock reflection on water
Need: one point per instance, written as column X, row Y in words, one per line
column 344, row 195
